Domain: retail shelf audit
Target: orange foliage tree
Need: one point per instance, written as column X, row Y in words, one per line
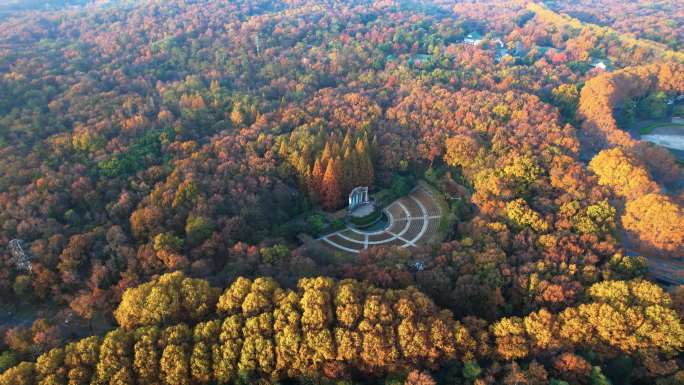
column 331, row 191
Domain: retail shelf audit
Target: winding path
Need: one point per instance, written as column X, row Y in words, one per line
column 413, row 219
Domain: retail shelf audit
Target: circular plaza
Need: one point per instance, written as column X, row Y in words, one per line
column 411, row 220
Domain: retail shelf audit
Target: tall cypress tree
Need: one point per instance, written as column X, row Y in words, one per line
column 348, row 180
column 365, row 166
column 331, row 193
column 316, row 181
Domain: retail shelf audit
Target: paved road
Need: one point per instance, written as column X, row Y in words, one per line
column 665, row 270
column 669, row 271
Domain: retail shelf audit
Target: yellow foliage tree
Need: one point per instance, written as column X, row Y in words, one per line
column 169, row 299
column 521, row 215
column 623, row 173
column 657, row 223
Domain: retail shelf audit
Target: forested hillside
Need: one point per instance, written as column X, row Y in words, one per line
column 11, row 7
column 659, row 21
column 153, row 152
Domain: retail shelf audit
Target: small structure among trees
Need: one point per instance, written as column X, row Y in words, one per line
column 473, row 38
column 362, row 211
column 20, row 257
column 358, row 197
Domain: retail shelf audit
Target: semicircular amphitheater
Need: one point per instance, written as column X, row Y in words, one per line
column 412, row 220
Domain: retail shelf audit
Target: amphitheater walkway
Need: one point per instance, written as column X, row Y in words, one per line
column 413, row 219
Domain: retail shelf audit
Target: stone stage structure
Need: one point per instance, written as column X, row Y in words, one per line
column 358, row 197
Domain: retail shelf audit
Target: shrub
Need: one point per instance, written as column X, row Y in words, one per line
column 274, row 253
column 7, row 360
column 315, row 224
column 197, row 229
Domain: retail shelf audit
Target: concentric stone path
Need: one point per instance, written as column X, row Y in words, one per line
column 413, row 219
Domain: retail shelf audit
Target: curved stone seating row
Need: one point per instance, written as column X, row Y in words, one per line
column 396, row 212
column 424, row 196
column 398, row 226
column 352, row 235
column 414, row 230
column 384, row 237
column 412, row 207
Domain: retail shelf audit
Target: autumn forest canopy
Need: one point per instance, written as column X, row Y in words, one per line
column 174, row 180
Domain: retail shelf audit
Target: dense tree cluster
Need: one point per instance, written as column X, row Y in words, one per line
column 330, row 150
column 203, row 137
column 338, row 328
column 170, row 299
column 622, row 48
column 572, row 38
column 630, row 168
column 621, row 316
column 544, row 225
column 659, row 21
column 193, row 139
column 657, row 223
column 607, row 92
column 323, row 327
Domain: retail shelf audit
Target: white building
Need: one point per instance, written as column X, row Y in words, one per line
column 473, row 38
column 602, row 64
